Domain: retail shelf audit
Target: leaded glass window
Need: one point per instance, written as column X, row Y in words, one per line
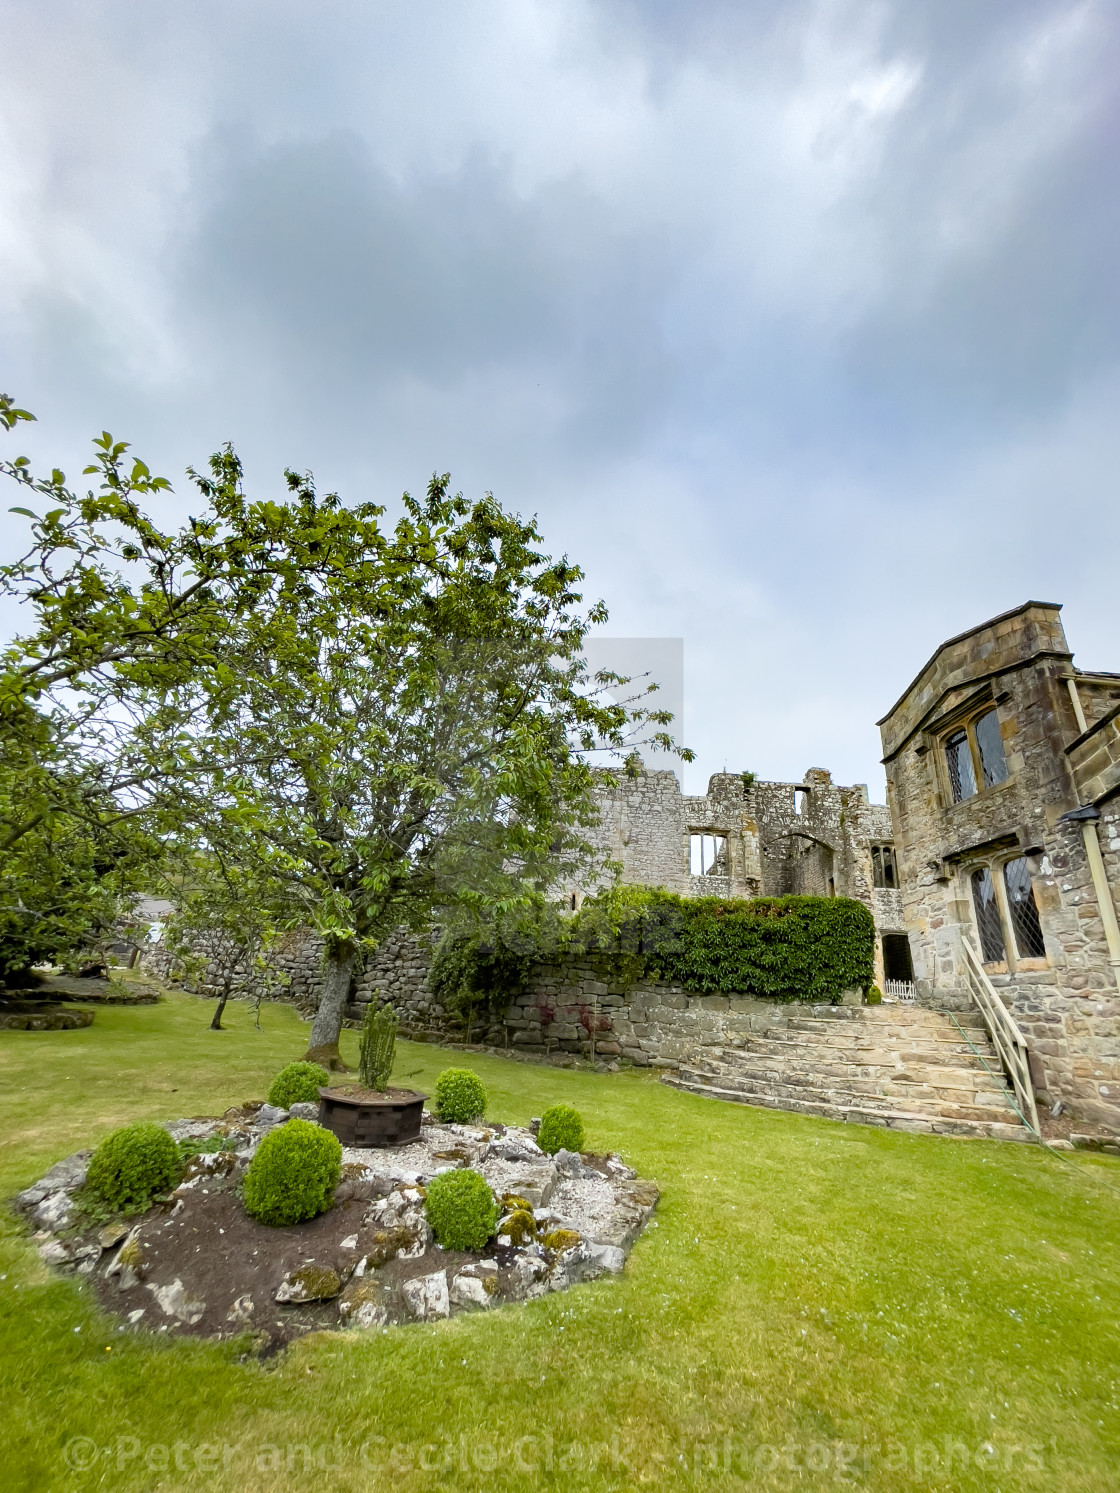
column 990, row 745
column 1024, row 912
column 958, row 755
column 987, row 917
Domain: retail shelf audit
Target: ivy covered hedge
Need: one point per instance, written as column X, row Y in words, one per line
column 786, row 948
column 789, row 948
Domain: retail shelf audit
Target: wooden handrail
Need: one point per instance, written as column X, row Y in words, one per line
column 1007, row 1038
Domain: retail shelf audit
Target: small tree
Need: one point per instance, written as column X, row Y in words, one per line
column 377, row 1047
column 221, row 933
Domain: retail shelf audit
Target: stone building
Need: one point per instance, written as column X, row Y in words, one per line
column 1003, row 783
column 746, row 838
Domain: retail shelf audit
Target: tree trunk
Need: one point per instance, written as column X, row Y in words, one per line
column 216, row 1024
column 338, row 966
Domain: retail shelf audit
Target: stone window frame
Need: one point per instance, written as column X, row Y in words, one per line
column 1012, row 962
column 886, row 854
column 966, row 720
column 724, row 854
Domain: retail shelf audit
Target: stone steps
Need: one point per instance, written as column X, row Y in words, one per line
column 917, row 1099
column 928, row 1053
column 908, row 1069
column 896, row 1119
column 796, row 1065
column 989, row 1093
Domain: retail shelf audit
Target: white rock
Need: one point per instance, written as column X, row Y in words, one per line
column 427, row 1296
column 54, row 1252
column 305, row 1110
column 54, row 1211
column 468, row 1290
column 69, row 1173
column 241, row 1312
column 135, row 1316
column 174, row 1302
column 528, row 1278
column 350, row 1242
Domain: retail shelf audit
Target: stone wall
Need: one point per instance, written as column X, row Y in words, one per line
column 1066, row 1001
column 652, row 1024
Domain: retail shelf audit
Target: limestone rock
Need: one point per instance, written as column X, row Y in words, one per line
column 570, row 1164
column 585, row 1261
column 175, row 1302
column 54, row 1252
column 427, row 1296
column 526, row 1279
column 241, row 1312
column 68, row 1174
column 128, row 1263
column 308, row 1283
column 269, row 1116
column 305, row 1110
column 536, row 1184
column 364, row 1304
column 469, row 1290
column 112, row 1234
column 54, row 1211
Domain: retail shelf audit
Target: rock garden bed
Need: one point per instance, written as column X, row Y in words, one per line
column 196, row 1262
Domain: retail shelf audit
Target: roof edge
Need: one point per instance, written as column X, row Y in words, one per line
column 1054, row 606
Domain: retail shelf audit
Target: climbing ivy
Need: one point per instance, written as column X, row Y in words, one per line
column 784, row 948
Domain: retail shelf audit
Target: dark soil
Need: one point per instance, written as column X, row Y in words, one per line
column 362, row 1095
column 221, row 1256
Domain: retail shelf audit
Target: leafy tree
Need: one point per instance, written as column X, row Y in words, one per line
column 407, row 734
column 380, row 721
column 222, row 931
column 68, row 882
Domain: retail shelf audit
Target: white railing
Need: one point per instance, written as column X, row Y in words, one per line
column 899, row 990
column 1007, row 1039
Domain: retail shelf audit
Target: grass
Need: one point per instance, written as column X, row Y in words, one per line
column 819, row 1306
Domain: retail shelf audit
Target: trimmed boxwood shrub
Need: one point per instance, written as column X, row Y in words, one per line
column 298, row 1083
column 461, row 1209
column 132, row 1165
column 873, row 995
column 460, row 1096
column 561, row 1129
column 293, row 1174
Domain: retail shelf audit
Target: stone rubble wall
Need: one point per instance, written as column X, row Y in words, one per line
column 651, row 1025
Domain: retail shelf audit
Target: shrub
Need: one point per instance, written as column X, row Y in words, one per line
column 460, row 1096
column 873, row 995
column 561, row 1129
column 461, row 1209
column 293, row 1174
column 132, row 1165
column 298, row 1083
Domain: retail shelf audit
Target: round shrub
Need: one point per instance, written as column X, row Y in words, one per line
column 460, row 1096
column 461, row 1209
column 561, row 1129
column 130, row 1166
column 293, row 1174
column 298, row 1083
column 873, row 995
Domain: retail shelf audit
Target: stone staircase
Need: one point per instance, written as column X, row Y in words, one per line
column 904, row 1067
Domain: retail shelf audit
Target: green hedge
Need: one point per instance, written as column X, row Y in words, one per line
column 789, row 948
column 785, row 948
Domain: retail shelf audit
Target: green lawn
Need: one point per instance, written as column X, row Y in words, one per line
column 818, row 1306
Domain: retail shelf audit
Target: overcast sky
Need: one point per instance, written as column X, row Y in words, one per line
column 796, row 323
